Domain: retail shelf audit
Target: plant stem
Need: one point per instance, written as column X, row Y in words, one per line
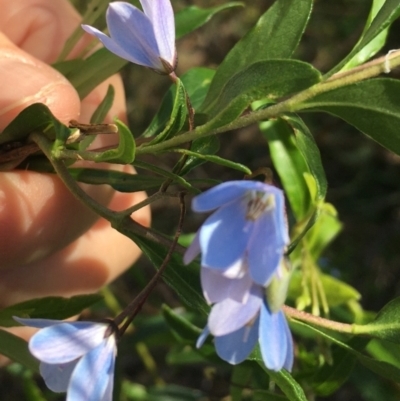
column 295, row 314
column 294, row 103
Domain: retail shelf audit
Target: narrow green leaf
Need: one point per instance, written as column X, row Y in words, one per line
column 264, row 79
column 120, row 181
column 192, row 17
column 372, row 106
column 330, row 378
column 178, row 114
column 305, row 143
column 185, row 280
column 204, row 146
column 289, row 164
column 124, row 153
column 57, row 308
column 182, row 329
column 16, row 349
column 276, row 35
column 196, row 82
column 389, row 11
column 36, row 117
column 167, row 174
column 289, row 386
column 384, row 369
column 104, row 107
column 86, row 74
column 99, row 115
column 216, row 160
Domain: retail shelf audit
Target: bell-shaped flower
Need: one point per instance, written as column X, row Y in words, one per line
column 143, row 37
column 238, row 326
column 247, row 232
column 76, row 357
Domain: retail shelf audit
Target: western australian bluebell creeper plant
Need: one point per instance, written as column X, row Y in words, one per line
column 257, row 296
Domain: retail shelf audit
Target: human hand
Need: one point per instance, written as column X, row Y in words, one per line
column 51, row 244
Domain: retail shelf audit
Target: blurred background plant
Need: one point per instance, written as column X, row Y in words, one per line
column 364, row 187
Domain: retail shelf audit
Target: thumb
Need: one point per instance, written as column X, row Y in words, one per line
column 26, row 80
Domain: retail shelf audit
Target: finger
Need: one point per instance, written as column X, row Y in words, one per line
column 26, row 80
column 86, row 265
column 39, row 27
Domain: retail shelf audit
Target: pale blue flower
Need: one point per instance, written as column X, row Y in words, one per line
column 247, row 232
column 146, row 38
column 238, row 326
column 76, row 357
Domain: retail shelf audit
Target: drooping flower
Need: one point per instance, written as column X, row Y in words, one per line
column 242, row 317
column 76, row 357
column 146, row 38
column 247, row 232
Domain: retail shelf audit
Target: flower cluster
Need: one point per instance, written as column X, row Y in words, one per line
column 77, row 357
column 146, row 38
column 242, row 247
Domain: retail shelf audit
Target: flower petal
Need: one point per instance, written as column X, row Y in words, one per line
column 114, row 47
column 203, row 337
column 217, row 287
column 38, row 323
column 57, row 376
column 224, row 236
column 93, row 373
column 192, row 251
column 133, row 32
column 265, row 250
column 64, row 342
column 288, row 364
column 161, row 15
column 228, row 316
column 222, row 194
column 236, row 347
column 273, row 338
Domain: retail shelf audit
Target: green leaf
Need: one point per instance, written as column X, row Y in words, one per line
column 389, row 11
column 104, row 107
column 240, row 380
column 372, row 106
column 384, row 369
column 185, row 280
column 86, row 74
column 124, row 153
column 337, row 292
column 196, row 82
column 325, row 229
column 276, row 35
column 386, row 324
column 57, row 308
column 330, row 378
column 376, row 44
column 16, row 349
column 216, row 160
column 36, row 117
column 167, row 174
column 99, row 115
column 178, row 114
column 182, row 328
column 264, row 79
column 305, row 143
column 191, row 18
column 289, row 386
column 120, row 181
column 289, row 163
column 204, row 146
